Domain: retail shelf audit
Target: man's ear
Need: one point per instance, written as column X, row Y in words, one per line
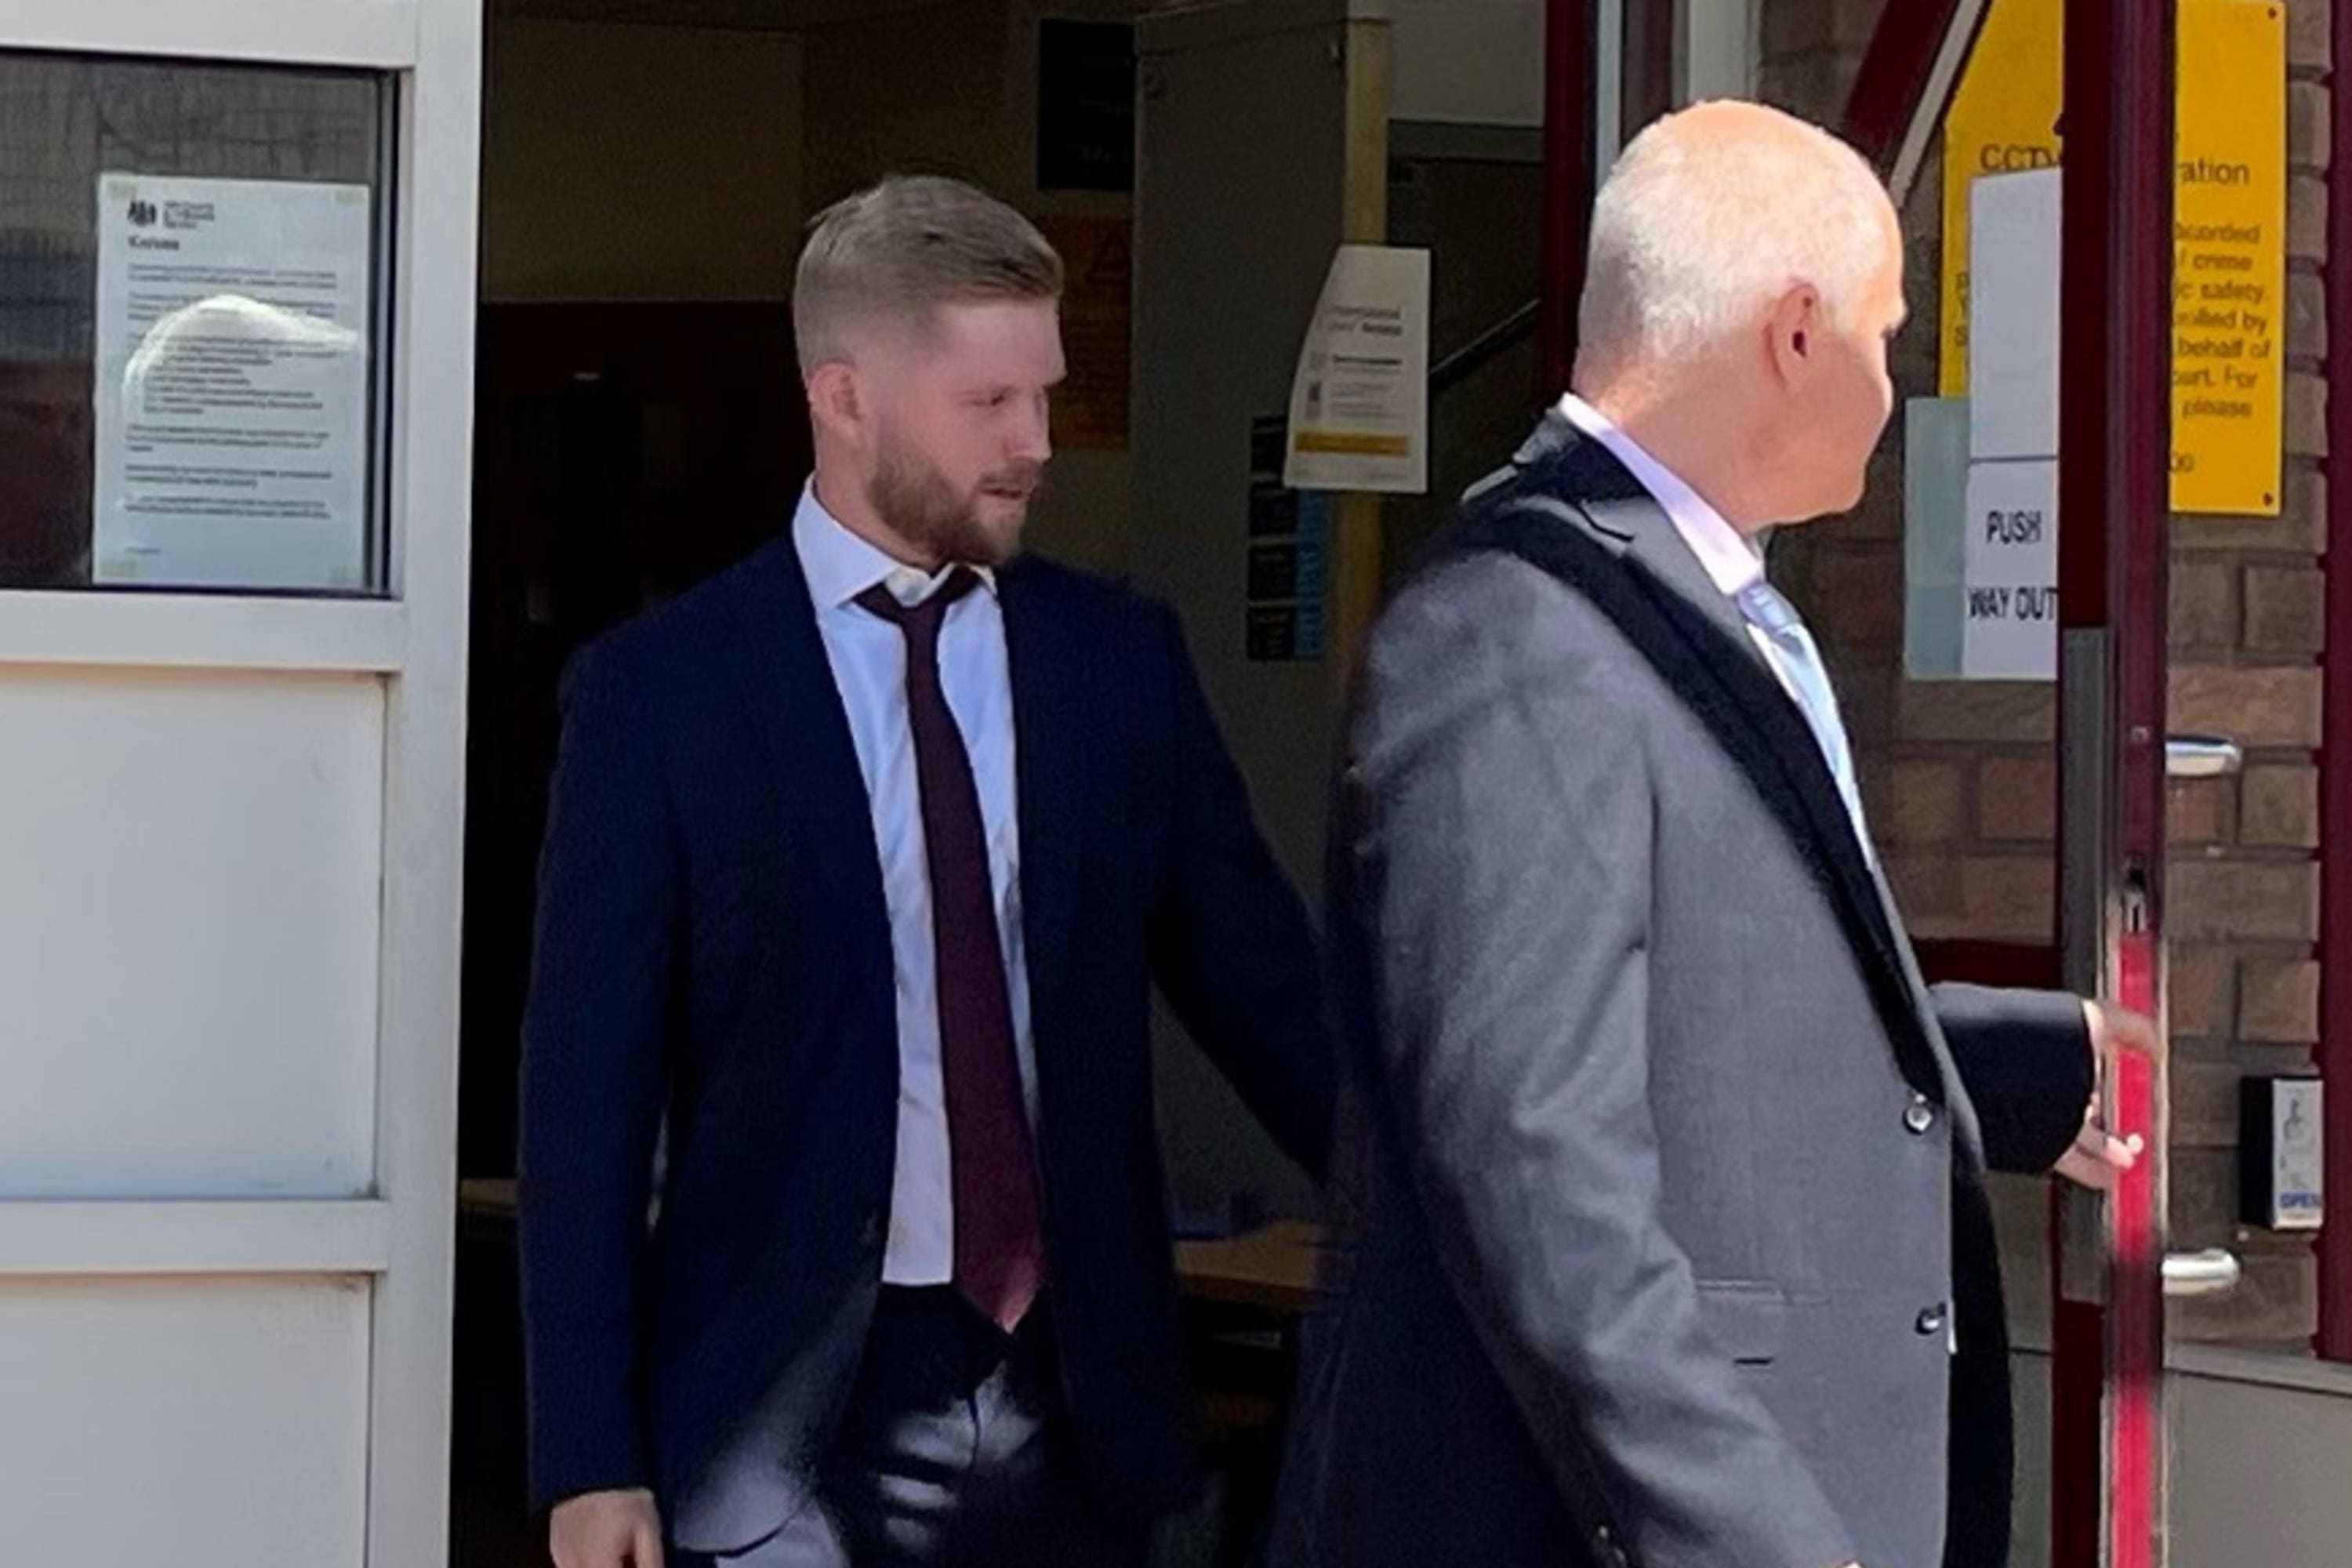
column 836, row 400
column 1794, row 333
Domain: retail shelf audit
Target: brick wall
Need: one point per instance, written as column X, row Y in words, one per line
column 2247, row 627
column 1962, row 779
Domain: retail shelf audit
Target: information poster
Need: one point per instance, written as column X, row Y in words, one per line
column 2229, row 214
column 232, row 411
column 1360, row 402
column 2230, row 259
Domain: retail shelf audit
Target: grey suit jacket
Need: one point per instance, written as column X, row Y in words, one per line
column 1664, row 1167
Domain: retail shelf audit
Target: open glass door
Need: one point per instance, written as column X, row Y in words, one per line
column 2142, row 293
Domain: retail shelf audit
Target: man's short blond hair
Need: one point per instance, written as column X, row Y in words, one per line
column 894, row 254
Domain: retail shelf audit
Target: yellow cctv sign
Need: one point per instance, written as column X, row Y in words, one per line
column 2230, row 218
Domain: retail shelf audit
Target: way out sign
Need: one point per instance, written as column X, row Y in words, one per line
column 2008, row 602
column 2010, row 630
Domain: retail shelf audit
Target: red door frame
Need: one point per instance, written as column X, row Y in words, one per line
column 2336, row 747
column 1896, row 75
column 1571, row 40
column 2114, row 447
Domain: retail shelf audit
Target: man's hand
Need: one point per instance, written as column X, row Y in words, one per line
column 606, row 1530
column 2097, row 1159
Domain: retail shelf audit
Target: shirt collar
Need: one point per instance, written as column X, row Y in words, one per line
column 1733, row 563
column 839, row 566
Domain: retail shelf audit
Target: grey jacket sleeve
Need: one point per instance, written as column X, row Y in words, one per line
column 2025, row 1059
column 1502, row 814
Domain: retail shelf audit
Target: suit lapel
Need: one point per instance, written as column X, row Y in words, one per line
column 1572, row 510
column 1559, row 462
column 1049, row 670
column 805, row 731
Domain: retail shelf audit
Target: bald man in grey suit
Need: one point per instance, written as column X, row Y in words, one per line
column 1667, row 1169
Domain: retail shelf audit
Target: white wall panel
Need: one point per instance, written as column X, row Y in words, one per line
column 199, row 1424
column 190, row 869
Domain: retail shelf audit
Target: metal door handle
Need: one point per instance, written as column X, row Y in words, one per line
column 2212, row 1272
column 2202, row 757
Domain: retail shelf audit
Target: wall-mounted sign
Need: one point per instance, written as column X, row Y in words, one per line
column 1287, row 565
column 2229, row 213
column 231, row 418
column 1360, row 401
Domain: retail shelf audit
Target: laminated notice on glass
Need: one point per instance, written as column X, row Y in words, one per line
column 232, row 417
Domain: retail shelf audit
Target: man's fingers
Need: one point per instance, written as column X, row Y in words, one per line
column 2096, row 1142
column 2098, row 1158
column 647, row 1552
column 2085, row 1171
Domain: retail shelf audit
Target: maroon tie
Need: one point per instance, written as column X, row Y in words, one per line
column 1000, row 1250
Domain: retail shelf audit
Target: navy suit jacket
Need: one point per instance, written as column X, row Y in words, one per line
column 714, row 954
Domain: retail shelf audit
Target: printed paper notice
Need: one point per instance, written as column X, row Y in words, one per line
column 1360, row 402
column 2010, row 631
column 232, row 415
column 2230, row 259
column 2003, row 120
column 2013, row 276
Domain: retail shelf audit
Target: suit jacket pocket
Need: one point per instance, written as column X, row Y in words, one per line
column 1747, row 1319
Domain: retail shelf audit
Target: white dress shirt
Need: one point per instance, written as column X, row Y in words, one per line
column 868, row 655
column 1733, row 563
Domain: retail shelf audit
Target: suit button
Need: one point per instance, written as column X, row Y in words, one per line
column 1612, row 1554
column 1931, row 1322
column 1920, row 1115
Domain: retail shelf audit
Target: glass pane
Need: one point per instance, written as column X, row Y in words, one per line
column 192, row 273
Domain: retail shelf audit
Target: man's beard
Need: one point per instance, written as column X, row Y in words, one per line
column 922, row 507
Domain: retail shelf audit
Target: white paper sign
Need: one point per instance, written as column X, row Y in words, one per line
column 2011, row 598
column 2013, row 264
column 232, row 416
column 1360, row 401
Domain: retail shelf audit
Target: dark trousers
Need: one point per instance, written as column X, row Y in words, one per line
column 956, row 1452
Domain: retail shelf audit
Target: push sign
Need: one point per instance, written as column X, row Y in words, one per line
column 2011, row 604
